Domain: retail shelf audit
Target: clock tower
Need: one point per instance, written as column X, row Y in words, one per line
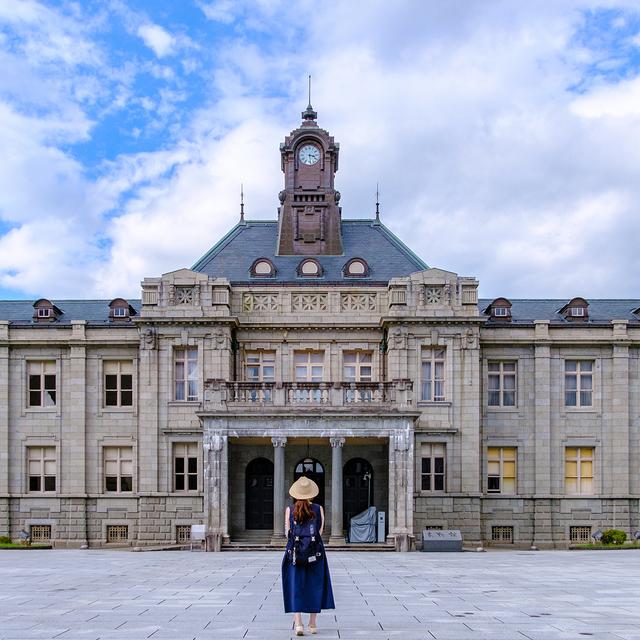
column 309, row 215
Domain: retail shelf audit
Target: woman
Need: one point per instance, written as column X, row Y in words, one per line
column 306, row 587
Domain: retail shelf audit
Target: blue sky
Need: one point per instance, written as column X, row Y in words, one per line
column 503, row 135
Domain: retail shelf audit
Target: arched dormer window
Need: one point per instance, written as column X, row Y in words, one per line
column 576, row 310
column 499, row 310
column 120, row 310
column 356, row 268
column 262, row 268
column 310, row 268
column 45, row 311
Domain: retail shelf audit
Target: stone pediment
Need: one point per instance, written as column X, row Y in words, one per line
column 184, row 276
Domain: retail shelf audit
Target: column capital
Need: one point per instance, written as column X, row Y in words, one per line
column 336, row 441
column 279, row 441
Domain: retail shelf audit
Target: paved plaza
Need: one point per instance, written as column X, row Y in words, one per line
column 119, row 595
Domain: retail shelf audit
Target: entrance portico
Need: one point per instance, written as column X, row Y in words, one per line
column 232, row 444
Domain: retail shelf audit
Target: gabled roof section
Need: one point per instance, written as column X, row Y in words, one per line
column 387, row 256
column 526, row 311
column 95, row 312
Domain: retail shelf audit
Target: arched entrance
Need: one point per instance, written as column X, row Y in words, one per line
column 259, row 494
column 357, row 481
column 312, row 469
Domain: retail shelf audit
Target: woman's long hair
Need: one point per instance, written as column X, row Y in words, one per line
column 302, row 511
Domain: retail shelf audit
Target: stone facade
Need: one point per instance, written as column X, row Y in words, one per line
column 515, row 422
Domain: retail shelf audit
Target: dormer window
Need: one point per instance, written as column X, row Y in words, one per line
column 120, row 310
column 576, row 310
column 309, row 269
column 45, row 311
column 263, row 268
column 499, row 310
column 356, row 268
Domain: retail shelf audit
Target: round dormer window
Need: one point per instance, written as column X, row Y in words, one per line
column 356, row 268
column 262, row 268
column 309, row 269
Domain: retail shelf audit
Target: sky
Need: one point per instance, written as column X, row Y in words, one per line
column 504, row 135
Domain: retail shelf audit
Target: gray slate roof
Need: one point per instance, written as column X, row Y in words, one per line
column 526, row 311
column 385, row 254
column 95, row 312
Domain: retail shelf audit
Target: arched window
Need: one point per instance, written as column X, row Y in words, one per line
column 314, row 470
column 356, row 268
column 310, row 268
column 263, row 268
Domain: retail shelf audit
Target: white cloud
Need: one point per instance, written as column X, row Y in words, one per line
column 160, row 41
column 619, row 100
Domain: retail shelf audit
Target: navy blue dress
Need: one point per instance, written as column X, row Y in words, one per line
column 307, row 589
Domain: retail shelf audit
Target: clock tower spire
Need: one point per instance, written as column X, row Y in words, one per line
column 309, row 215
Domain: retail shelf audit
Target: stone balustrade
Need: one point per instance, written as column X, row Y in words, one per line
column 224, row 395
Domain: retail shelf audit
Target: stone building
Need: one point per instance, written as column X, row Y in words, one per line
column 322, row 346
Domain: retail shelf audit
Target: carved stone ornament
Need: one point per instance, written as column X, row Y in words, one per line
column 282, row 196
column 469, row 339
column 397, row 338
column 337, row 441
column 148, row 339
column 400, row 441
column 279, row 441
column 215, row 442
column 337, row 196
column 220, row 340
column 433, row 295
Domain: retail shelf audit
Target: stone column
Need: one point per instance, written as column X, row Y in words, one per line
column 401, row 488
column 5, row 524
column 543, row 487
column 216, row 488
column 279, row 443
column 337, row 536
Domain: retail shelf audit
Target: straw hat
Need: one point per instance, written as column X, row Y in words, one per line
column 304, row 489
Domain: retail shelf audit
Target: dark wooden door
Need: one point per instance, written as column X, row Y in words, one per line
column 357, row 487
column 259, row 494
column 312, row 469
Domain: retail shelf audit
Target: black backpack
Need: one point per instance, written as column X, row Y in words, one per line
column 303, row 545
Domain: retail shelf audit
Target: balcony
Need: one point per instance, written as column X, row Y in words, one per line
column 221, row 395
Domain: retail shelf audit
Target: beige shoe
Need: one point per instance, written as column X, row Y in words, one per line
column 313, row 630
column 299, row 630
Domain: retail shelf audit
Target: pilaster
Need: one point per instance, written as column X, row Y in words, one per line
column 148, row 420
column 337, row 536
column 279, row 444
column 618, row 429
column 216, row 488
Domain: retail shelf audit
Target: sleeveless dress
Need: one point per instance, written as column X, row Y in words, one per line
column 307, row 589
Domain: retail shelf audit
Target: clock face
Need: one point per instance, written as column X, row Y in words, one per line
column 309, row 154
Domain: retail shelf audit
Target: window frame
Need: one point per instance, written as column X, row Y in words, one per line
column 432, row 473
column 185, row 352
column 579, row 478
column 578, row 374
column 260, row 365
column 309, row 365
column 501, row 459
column 185, row 474
column 107, row 364
column 119, row 460
column 45, row 456
column 433, row 361
column 501, row 374
column 358, row 365
column 42, row 390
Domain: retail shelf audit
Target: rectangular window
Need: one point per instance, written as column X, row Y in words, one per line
column 500, row 312
column 183, row 533
column 309, row 366
column 357, row 366
column 40, row 532
column 41, row 464
column 117, row 533
column 185, row 466
column 260, row 366
column 578, row 383
column 580, row 534
column 118, row 469
column 433, row 467
column 44, row 312
column 501, row 469
column 433, row 375
column 502, row 384
column 502, row 534
column 120, row 312
column 118, row 383
column 186, row 374
column 578, row 471
column 42, row 383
